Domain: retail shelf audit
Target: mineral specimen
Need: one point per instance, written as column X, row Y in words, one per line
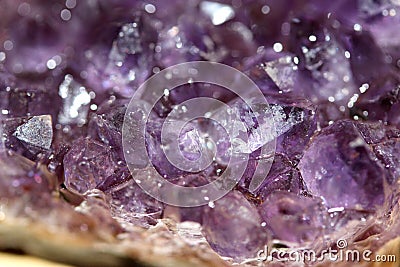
column 329, row 71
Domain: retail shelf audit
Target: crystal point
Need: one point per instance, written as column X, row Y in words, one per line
column 340, row 167
column 37, row 131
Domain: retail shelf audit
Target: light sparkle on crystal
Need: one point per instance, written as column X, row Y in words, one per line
column 8, row 45
column 65, row 14
column 76, row 100
column 357, row 27
column 24, row 9
column 150, row 8
column 364, row 87
column 278, row 47
column 312, row 38
column 265, row 9
column 51, row 64
column 70, row 4
column 219, row 13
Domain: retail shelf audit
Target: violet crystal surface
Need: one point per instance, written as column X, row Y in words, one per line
column 329, row 71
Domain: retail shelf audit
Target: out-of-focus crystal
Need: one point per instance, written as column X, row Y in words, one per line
column 76, row 100
column 233, row 227
column 218, row 13
column 293, row 218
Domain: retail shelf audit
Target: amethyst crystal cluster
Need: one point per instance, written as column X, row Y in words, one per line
column 330, row 72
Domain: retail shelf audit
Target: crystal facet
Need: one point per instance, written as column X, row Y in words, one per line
column 233, row 227
column 292, row 217
column 340, row 167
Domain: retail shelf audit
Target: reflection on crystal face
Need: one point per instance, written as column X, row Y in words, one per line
column 37, row 131
column 218, row 13
column 76, row 100
column 31, row 136
column 249, row 129
column 284, row 122
column 283, row 72
column 190, row 143
column 330, row 69
column 130, row 57
column 127, row 43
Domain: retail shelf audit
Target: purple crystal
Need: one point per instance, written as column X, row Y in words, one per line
column 28, row 136
column 176, row 45
column 292, row 217
column 382, row 26
column 384, row 141
column 26, row 187
column 20, row 100
column 328, row 70
column 328, row 113
column 106, row 125
column 341, row 168
column 190, row 143
column 99, row 158
column 181, row 42
column 283, row 176
column 33, row 42
column 388, row 152
column 374, row 132
column 156, row 153
column 194, row 214
column 380, row 100
column 295, row 117
column 88, row 164
column 233, row 228
column 283, row 72
column 132, row 205
column 123, row 66
column 324, row 61
column 295, row 123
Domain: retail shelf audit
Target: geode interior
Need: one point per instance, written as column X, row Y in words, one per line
column 330, row 72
